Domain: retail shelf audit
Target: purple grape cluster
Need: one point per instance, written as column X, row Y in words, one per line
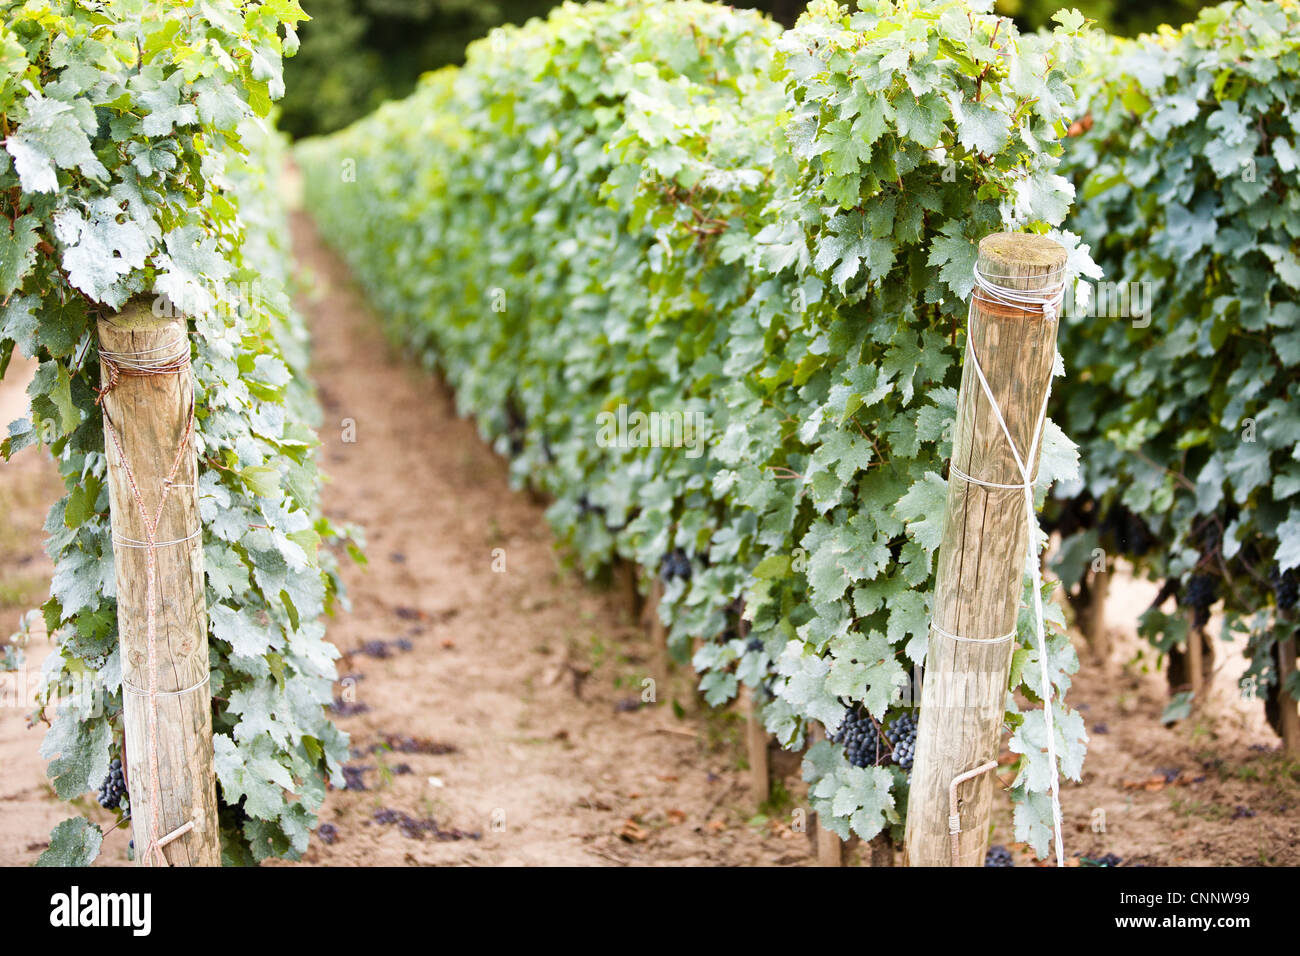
column 1202, row 591
column 901, row 734
column 676, row 565
column 1286, row 587
column 998, row 856
column 113, row 789
column 860, row 737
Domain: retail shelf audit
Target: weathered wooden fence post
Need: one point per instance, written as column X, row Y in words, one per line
column 1191, row 663
column 756, row 737
column 1289, row 715
column 981, row 561
column 147, row 397
column 756, row 741
column 830, row 848
column 880, row 851
column 1091, row 617
column 658, row 633
column 1195, row 657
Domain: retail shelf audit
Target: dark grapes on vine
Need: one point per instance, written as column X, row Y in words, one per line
column 901, row 734
column 1202, row 591
column 676, row 565
column 113, row 789
column 1286, row 586
column 998, row 856
column 860, row 737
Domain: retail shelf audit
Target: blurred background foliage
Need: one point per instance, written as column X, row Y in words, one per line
column 356, row 54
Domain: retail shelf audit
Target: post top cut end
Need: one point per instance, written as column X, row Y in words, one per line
column 140, row 315
column 1022, row 250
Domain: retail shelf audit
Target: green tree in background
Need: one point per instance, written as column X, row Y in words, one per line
column 1114, row 16
column 358, row 53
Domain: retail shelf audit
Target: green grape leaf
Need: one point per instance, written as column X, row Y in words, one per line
column 17, row 252
column 73, row 842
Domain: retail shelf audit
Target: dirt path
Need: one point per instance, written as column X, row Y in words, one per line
column 477, row 738
column 1211, row 790
column 29, row 484
column 542, row 775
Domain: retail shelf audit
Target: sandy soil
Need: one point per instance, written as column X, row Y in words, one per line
column 1212, row 790
column 509, row 731
column 546, row 768
column 29, row 484
column 496, row 718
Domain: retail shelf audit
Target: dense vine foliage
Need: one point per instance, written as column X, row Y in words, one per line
column 136, row 150
column 1190, row 417
column 677, row 208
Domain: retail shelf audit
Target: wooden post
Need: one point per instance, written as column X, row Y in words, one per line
column 880, row 851
column 756, row 745
column 830, row 849
column 756, row 738
column 658, row 633
column 981, row 561
column 147, row 409
column 1195, row 664
column 1092, row 614
column 1191, row 663
column 1289, row 714
column 624, row 581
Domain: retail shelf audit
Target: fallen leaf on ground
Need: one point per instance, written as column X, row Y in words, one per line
column 632, row 832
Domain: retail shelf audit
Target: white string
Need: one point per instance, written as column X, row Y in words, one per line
column 971, row 640
column 148, row 360
column 954, row 470
column 1048, row 302
column 166, row 693
column 134, row 543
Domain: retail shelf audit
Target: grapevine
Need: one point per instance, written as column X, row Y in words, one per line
column 767, row 232
column 113, row 789
column 137, row 165
column 1188, row 419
